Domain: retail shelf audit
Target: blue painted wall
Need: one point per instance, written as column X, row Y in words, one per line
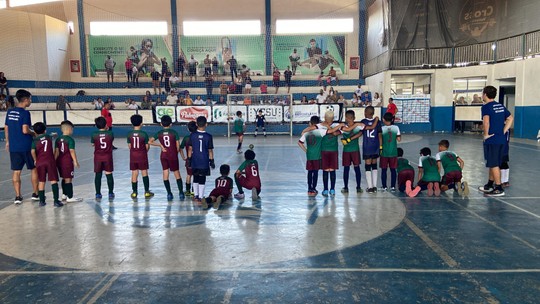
column 526, row 122
column 442, row 119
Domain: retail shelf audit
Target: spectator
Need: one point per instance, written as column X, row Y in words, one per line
column 331, row 92
column 222, row 100
column 146, row 103
column 3, row 84
column 199, row 101
column 129, row 69
column 477, row 127
column 167, row 81
column 304, row 100
column 158, row 102
column 223, row 88
column 334, row 97
column 294, row 59
column 343, row 101
column 188, row 101
column 207, row 66
column 108, row 116
column 180, row 67
column 155, row 80
column 135, row 75
column 332, row 76
column 264, row 88
column 192, row 68
column 288, row 76
column 248, row 86
column 233, row 65
column 238, row 86
column 391, row 108
column 355, row 102
column 61, row 103
column 232, row 88
column 377, row 102
column 358, row 91
column 365, row 99
column 10, row 102
column 3, row 102
column 321, row 97
column 109, row 67
column 244, row 72
column 164, row 69
column 215, row 66
column 131, row 104
column 312, row 101
column 209, row 84
column 98, row 103
column 111, row 103
column 476, row 100
column 174, row 81
column 320, row 79
column 209, row 101
column 172, row 98
column 275, row 79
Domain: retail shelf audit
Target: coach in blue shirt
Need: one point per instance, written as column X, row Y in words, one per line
column 19, row 138
column 497, row 121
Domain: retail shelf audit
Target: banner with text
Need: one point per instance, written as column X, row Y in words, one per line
column 313, row 53
column 271, row 113
column 190, row 113
column 221, row 114
column 144, row 51
column 302, row 113
column 165, row 110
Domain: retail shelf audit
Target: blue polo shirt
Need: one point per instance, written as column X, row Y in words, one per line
column 15, row 119
column 497, row 116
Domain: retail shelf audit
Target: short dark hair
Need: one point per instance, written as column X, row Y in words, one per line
column 136, row 120
column 388, row 116
column 490, row 91
column 192, row 126
column 224, row 169
column 350, row 112
column 314, row 120
column 22, row 95
column 238, row 113
column 392, row 99
column 445, row 143
column 399, row 152
column 101, row 122
column 166, row 120
column 425, row 151
column 370, row 110
column 249, row 155
column 68, row 123
column 201, row 121
column 39, row 128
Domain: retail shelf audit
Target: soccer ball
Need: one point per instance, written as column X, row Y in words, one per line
column 251, row 146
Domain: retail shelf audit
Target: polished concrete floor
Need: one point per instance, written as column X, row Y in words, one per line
column 285, row 248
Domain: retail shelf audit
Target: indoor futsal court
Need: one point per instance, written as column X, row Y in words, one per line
column 283, row 248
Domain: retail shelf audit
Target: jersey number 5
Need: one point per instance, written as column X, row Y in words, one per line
column 102, row 143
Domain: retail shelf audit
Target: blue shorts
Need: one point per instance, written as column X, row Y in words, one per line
column 19, row 159
column 493, row 154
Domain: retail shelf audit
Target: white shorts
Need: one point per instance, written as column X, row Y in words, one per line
column 248, row 86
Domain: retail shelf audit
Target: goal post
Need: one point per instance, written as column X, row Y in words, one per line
column 276, row 109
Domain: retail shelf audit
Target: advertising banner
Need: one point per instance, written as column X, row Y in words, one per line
column 330, row 107
column 190, row 113
column 302, row 113
column 144, row 51
column 220, row 114
column 165, row 110
column 248, row 50
column 313, row 53
column 271, row 113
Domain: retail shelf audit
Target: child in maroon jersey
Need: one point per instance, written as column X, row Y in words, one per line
column 66, row 160
column 43, row 154
column 138, row 156
column 223, row 190
column 247, row 176
column 102, row 140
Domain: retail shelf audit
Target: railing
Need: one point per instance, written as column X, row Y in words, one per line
column 517, row 47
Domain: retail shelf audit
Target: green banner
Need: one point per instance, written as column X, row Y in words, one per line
column 313, row 53
column 145, row 51
column 248, row 50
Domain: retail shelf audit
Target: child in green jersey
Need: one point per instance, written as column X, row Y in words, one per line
column 452, row 165
column 390, row 137
column 66, row 160
column 405, row 175
column 137, row 141
column 239, row 128
column 351, row 152
column 428, row 173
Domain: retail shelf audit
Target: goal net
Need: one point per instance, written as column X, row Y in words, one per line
column 275, row 108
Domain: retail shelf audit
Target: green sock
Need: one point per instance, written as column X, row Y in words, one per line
column 97, row 182
column 188, row 187
column 134, row 186
column 41, row 194
column 237, row 182
column 110, row 182
column 55, row 192
column 69, row 190
column 146, row 182
column 167, row 186
column 180, row 185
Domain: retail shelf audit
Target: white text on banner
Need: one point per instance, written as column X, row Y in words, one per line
column 190, row 113
column 302, row 113
column 271, row 113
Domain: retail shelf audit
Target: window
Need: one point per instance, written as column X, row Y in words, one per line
column 218, row 28
column 314, row 26
column 469, row 88
column 137, row 28
column 2, row 4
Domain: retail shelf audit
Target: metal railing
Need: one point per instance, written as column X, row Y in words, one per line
column 516, row 47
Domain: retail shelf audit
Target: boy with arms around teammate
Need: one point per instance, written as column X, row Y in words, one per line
column 351, row 152
column 66, row 160
column 200, row 157
column 43, row 154
column 390, row 137
column 452, row 165
column 247, row 176
column 102, row 140
column 222, row 191
column 138, row 157
column 192, row 127
column 168, row 142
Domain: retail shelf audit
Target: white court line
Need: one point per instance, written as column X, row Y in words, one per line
column 283, row 270
column 103, row 290
column 519, row 208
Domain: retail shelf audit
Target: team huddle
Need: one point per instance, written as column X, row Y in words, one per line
column 436, row 174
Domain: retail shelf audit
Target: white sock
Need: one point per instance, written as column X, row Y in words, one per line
column 201, row 190
column 369, row 180
column 374, row 177
column 505, row 175
column 195, row 189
